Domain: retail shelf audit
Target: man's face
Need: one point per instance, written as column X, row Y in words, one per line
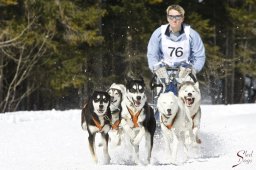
column 175, row 19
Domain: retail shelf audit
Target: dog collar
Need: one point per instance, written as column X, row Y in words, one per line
column 134, row 116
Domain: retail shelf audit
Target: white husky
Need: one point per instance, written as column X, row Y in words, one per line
column 116, row 92
column 176, row 124
column 190, row 94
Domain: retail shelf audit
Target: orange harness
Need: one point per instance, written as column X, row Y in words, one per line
column 116, row 124
column 170, row 125
column 134, row 117
column 98, row 125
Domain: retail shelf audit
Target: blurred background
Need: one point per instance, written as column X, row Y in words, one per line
column 54, row 53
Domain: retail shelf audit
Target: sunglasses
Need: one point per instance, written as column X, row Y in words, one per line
column 176, row 17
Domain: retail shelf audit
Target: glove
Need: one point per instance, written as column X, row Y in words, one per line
column 162, row 74
column 187, row 74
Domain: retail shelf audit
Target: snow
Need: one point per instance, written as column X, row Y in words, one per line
column 54, row 140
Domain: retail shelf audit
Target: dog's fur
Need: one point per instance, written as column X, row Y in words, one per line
column 190, row 94
column 138, row 119
column 176, row 124
column 96, row 118
column 116, row 92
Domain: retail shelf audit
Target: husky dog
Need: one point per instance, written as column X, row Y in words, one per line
column 190, row 94
column 176, row 124
column 116, row 92
column 96, row 118
column 138, row 119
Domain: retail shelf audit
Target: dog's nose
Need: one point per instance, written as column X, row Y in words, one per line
column 169, row 111
column 138, row 97
column 112, row 98
column 189, row 94
column 101, row 106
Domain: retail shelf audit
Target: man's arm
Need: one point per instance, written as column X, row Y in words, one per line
column 154, row 49
column 197, row 53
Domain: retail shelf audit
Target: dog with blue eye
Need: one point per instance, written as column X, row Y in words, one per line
column 96, row 118
column 138, row 119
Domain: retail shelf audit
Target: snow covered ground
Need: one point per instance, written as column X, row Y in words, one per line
column 54, row 140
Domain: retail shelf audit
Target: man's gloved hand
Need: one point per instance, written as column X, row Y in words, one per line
column 183, row 71
column 186, row 73
column 162, row 74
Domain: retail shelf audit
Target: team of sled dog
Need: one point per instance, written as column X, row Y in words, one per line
column 122, row 112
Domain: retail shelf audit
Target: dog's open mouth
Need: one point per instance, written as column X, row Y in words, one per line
column 136, row 102
column 189, row 100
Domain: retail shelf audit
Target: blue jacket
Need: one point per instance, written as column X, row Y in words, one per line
column 197, row 50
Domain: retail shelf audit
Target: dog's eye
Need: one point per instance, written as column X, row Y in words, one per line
column 133, row 89
column 141, row 89
column 97, row 99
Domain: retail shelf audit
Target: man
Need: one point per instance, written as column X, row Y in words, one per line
column 176, row 45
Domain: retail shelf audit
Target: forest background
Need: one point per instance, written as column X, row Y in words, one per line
column 54, row 53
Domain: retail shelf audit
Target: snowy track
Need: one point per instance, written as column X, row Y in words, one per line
column 54, row 140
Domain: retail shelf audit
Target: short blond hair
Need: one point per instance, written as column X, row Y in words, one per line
column 177, row 8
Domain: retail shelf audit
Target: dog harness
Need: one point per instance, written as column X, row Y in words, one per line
column 98, row 125
column 170, row 125
column 134, row 117
column 116, row 124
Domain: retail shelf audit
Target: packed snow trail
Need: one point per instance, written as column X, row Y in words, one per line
column 54, row 140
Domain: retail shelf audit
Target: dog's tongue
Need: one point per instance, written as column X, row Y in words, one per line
column 189, row 101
